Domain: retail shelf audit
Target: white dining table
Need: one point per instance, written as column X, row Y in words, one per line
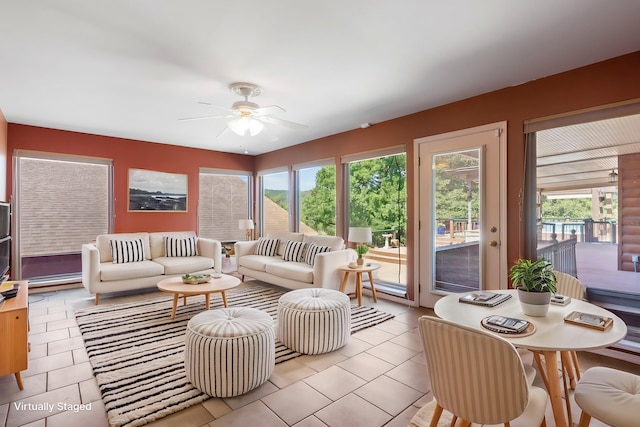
column 552, row 334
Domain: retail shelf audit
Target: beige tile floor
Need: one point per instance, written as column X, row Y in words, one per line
column 378, row 379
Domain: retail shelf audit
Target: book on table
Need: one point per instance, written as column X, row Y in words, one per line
column 487, row 299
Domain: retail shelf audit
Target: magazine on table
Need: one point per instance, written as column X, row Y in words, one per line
column 487, row 299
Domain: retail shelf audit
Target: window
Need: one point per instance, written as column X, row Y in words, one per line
column 377, row 199
column 223, row 201
column 274, row 202
column 61, row 203
column 316, row 199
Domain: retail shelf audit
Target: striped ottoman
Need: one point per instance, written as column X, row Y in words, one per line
column 314, row 320
column 229, row 351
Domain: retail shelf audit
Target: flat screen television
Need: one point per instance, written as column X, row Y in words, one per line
column 5, row 256
column 5, row 219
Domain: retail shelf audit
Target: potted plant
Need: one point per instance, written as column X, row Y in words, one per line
column 535, row 282
column 361, row 250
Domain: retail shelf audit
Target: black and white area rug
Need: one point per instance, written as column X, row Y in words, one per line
column 137, row 351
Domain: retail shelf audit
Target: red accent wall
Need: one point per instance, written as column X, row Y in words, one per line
column 606, row 82
column 126, row 154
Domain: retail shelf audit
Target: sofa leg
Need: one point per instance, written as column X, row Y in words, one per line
column 97, row 298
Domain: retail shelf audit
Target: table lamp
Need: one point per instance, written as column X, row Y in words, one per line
column 247, row 225
column 360, row 235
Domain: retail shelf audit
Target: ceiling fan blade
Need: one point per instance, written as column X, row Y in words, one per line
column 268, row 110
column 208, row 104
column 280, row 122
column 205, row 117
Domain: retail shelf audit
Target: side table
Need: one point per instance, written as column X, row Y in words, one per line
column 365, row 268
column 14, row 333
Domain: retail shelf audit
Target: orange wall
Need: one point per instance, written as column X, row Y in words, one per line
column 602, row 83
column 127, row 154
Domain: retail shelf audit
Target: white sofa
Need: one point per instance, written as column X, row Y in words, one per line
column 100, row 274
column 323, row 273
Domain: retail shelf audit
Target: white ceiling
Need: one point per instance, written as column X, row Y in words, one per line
column 132, row 68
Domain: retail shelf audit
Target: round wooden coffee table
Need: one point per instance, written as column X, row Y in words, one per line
column 177, row 287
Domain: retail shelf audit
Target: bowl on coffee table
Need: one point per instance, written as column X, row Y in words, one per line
column 195, row 279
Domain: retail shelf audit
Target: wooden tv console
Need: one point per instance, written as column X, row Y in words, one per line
column 14, row 331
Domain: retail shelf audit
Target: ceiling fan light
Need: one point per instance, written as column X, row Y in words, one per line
column 239, row 126
column 255, row 127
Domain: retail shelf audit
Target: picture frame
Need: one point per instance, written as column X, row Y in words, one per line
column 155, row 191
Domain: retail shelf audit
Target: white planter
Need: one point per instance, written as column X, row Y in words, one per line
column 534, row 304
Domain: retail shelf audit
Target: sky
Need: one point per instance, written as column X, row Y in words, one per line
column 280, row 181
column 171, row 183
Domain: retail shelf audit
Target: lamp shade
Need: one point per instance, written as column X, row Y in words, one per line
column 244, row 124
column 360, row 234
column 245, row 224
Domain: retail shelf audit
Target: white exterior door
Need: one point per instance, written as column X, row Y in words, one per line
column 461, row 212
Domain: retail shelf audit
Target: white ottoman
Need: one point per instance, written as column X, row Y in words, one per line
column 609, row 395
column 229, row 351
column 314, row 320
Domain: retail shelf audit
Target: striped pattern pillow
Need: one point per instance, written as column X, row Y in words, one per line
column 180, row 247
column 127, row 251
column 312, row 251
column 267, row 247
column 294, row 251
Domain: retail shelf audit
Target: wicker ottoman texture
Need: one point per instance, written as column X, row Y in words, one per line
column 314, row 320
column 229, row 351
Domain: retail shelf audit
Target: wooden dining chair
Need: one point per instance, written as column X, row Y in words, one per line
column 573, row 288
column 478, row 377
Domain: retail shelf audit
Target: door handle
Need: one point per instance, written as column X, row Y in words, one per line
column 493, row 243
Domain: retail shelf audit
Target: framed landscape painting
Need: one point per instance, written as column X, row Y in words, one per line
column 157, row 191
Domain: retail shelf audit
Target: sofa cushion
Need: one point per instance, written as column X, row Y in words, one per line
column 312, row 251
column 103, row 243
column 258, row 262
column 127, row 251
column 267, row 246
column 130, row 270
column 284, row 237
column 156, row 241
column 300, row 271
column 294, row 251
column 183, row 265
column 180, row 247
column 334, row 242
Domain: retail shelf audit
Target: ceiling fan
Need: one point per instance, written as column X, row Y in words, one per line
column 247, row 116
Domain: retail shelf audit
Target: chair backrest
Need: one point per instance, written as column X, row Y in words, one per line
column 569, row 286
column 475, row 375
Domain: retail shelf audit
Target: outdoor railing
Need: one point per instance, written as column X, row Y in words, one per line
column 562, row 255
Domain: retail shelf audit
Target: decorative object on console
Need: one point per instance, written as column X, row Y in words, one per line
column 360, row 235
column 247, row 225
column 535, row 282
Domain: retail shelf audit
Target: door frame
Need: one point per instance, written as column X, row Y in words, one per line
column 501, row 129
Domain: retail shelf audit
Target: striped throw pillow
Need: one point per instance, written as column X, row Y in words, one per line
column 268, row 247
column 127, row 251
column 294, row 251
column 313, row 250
column 174, row 247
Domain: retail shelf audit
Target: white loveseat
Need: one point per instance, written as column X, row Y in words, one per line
column 100, row 274
column 322, row 273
